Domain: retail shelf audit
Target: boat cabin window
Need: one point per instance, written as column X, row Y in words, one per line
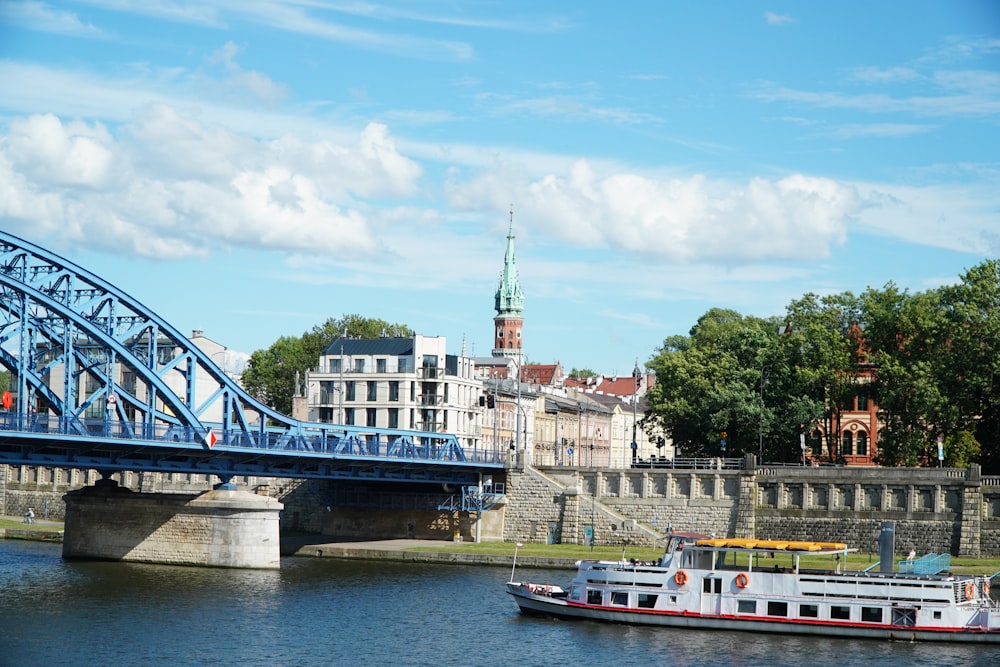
column 777, row 608
column 619, row 598
column 937, row 616
column 809, row 610
column 840, row 612
column 905, row 616
column 594, row 597
column 711, row 585
column 701, row 560
column 746, row 606
column 645, row 601
column 871, row 614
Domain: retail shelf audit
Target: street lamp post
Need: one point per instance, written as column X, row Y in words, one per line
column 764, row 372
column 637, row 378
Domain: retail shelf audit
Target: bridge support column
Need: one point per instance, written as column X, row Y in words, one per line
column 219, row 528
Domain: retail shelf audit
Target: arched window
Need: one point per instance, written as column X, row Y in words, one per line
column 862, row 444
column 847, row 444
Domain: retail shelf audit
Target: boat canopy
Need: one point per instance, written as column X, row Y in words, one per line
column 773, row 545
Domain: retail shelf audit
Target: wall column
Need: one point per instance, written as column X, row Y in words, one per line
column 970, row 541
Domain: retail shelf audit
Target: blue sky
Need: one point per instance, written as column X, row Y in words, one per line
column 252, row 168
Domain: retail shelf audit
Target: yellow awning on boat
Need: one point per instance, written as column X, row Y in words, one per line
column 771, row 545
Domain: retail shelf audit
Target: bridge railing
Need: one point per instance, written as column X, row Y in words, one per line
column 309, row 439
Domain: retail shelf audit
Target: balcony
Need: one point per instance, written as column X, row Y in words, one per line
column 431, row 400
column 431, row 373
column 430, row 427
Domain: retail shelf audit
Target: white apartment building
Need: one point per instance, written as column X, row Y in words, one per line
column 399, row 383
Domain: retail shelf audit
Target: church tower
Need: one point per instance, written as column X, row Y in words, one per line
column 509, row 306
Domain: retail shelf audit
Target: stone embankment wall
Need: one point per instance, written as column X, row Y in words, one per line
column 945, row 510
column 941, row 510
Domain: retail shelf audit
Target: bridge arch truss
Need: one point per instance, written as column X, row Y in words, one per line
column 91, row 365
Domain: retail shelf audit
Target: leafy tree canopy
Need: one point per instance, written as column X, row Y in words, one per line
column 930, row 361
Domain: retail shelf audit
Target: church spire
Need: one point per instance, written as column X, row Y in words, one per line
column 509, row 299
column 509, row 304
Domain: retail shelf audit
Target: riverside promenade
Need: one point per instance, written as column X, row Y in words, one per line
column 408, row 551
column 324, row 546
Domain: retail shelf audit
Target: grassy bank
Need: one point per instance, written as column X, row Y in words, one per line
column 46, row 526
column 855, row 561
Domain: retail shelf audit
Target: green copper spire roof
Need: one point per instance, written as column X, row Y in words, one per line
column 509, row 297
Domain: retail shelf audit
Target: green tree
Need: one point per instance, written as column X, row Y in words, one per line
column 820, row 348
column 579, row 373
column 270, row 374
column 961, row 449
column 708, row 383
column 906, row 338
column 972, row 313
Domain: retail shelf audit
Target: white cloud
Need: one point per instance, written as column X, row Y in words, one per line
column 42, row 17
column 773, row 18
column 53, row 154
column 168, row 186
column 952, row 216
column 257, row 84
column 689, row 219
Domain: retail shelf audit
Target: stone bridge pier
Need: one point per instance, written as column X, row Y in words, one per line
column 218, row 528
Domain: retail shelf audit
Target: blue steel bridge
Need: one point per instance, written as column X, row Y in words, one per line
column 99, row 381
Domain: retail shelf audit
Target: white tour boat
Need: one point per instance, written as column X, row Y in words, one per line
column 770, row 586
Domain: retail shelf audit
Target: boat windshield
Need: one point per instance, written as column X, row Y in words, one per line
column 676, row 542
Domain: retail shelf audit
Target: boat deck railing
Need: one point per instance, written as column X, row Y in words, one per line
column 931, row 563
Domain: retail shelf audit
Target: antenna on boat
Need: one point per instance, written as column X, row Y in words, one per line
column 514, row 563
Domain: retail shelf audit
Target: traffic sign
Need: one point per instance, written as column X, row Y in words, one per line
column 8, row 400
column 210, row 438
column 112, row 399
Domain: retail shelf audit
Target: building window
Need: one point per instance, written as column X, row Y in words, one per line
column 862, row 403
column 394, row 390
column 351, row 390
column 380, row 365
column 645, row 601
column 847, row 445
column 371, row 416
column 862, row 444
column 326, row 415
column 840, row 612
column 349, row 416
column 372, row 390
column 871, row 614
column 393, row 417
column 359, row 365
column 817, row 443
column 336, row 365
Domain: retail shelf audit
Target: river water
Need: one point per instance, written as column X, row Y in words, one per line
column 334, row 612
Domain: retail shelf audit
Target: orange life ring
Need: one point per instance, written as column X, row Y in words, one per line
column 970, row 590
column 680, row 577
column 742, row 580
